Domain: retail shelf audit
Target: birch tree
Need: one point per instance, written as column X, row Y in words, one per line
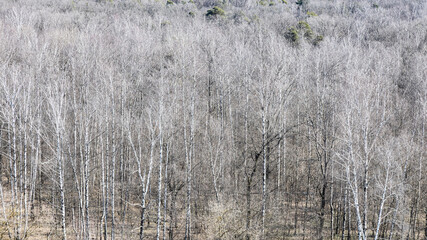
column 57, row 102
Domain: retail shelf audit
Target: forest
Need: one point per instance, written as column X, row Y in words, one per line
column 213, row 119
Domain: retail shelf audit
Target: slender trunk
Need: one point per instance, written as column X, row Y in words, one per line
column 348, row 215
column 331, row 201
column 104, row 196
column 264, row 164
column 34, row 166
column 124, row 188
column 420, row 176
column 173, row 223
column 248, row 208
column 248, row 180
column 296, row 215
column 322, row 205
column 352, row 179
column 141, row 226
column 61, row 181
column 107, row 173
column 393, row 220
column 5, row 218
column 365, row 199
column 279, row 150
column 113, row 172
column 165, row 205
column 357, row 206
column 25, row 180
column 297, row 177
column 159, row 198
column 425, row 227
column 383, row 199
column 33, row 177
column 189, row 154
column 86, row 180
column 344, row 214
column 14, row 173
column 146, row 182
column 307, row 198
column 73, row 158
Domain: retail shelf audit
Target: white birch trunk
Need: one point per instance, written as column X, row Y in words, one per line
column 189, row 151
column 264, row 164
column 61, row 182
column 383, row 199
column 86, row 179
column 159, row 198
column 113, row 166
column 165, row 200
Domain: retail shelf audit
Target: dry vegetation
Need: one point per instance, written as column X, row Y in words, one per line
column 209, row 119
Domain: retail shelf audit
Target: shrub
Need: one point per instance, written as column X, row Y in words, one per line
column 317, row 40
column 311, row 14
column 165, row 23
column 262, row 3
column 305, row 27
column 215, row 11
column 302, row 28
column 292, row 35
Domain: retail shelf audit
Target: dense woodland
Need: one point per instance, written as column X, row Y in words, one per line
column 210, row 119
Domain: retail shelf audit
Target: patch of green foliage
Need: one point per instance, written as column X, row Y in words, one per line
column 165, row 23
column 214, row 12
column 304, row 27
column 262, row 3
column 317, row 40
column 292, row 35
column 311, row 14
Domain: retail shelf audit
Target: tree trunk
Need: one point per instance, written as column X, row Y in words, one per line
column 86, row 179
column 165, row 201
column 61, row 181
column 248, row 208
column 189, row 154
column 383, row 199
column 264, row 169
column 159, row 198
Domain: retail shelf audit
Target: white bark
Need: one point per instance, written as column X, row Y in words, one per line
column 165, row 201
column 86, row 178
column 189, row 146
column 264, row 164
column 383, row 198
column 143, row 177
column 113, row 162
column 159, row 198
